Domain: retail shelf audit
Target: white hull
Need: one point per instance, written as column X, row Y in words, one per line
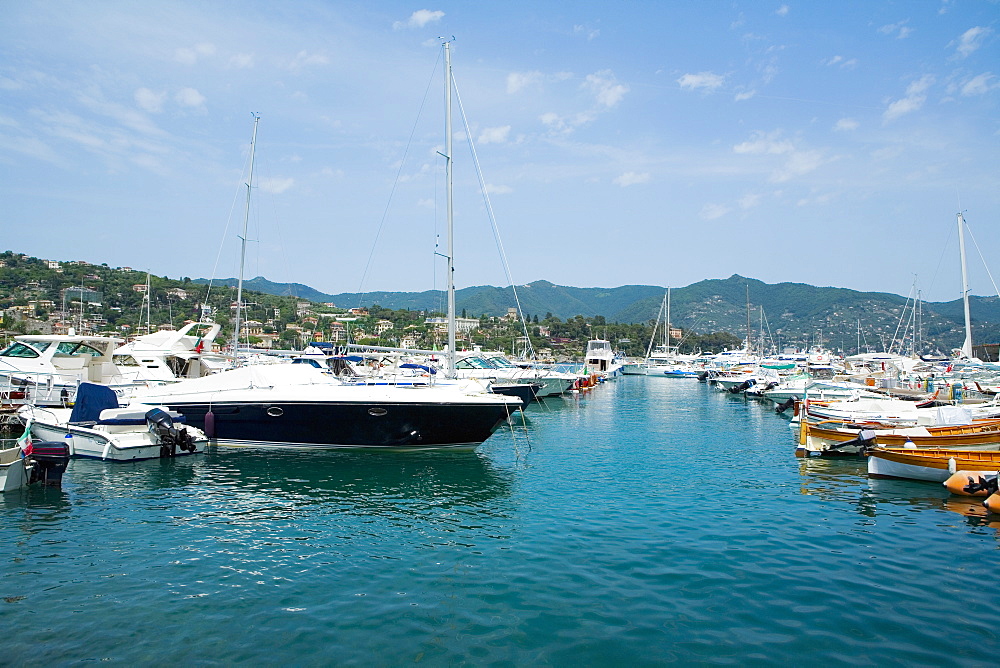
column 118, row 447
column 117, row 443
column 13, row 473
column 883, row 468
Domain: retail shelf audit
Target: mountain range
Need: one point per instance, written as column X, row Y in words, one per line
column 789, row 311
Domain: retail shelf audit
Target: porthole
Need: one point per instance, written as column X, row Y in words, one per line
column 275, row 411
column 377, row 412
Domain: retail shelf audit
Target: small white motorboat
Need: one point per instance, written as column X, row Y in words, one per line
column 98, row 428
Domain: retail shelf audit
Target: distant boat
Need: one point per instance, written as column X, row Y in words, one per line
column 663, row 359
column 601, row 359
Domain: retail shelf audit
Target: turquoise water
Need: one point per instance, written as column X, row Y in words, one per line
column 647, row 522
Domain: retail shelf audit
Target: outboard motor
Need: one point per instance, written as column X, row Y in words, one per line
column 864, row 441
column 49, row 460
column 161, row 425
column 742, row 387
column 781, row 408
column 988, row 484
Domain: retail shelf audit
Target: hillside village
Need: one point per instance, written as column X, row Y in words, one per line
column 55, row 297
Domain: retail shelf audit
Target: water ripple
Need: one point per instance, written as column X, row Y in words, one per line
column 649, row 521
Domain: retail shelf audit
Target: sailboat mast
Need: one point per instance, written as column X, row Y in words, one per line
column 668, row 320
column 243, row 244
column 967, row 345
column 449, row 182
column 748, row 319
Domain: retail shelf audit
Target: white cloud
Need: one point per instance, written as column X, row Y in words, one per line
column 551, row 119
column 707, row 80
column 150, row 101
column 846, row 125
column 631, row 178
column 915, row 98
column 971, row 40
column 241, row 61
column 782, row 10
column 591, row 34
column 841, row 62
column 605, row 88
column 419, row 19
column 517, row 81
column 900, row 28
column 276, row 186
column 189, row 97
column 305, row 59
column 749, row 201
column 765, row 144
column 191, row 55
column 494, row 135
column 745, row 95
column 10, row 84
column 980, row 84
column 498, row 190
column 798, row 164
column 713, row 211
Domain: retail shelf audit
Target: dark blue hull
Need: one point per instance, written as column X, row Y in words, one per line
column 329, row 425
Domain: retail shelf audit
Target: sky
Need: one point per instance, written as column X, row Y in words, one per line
column 656, row 143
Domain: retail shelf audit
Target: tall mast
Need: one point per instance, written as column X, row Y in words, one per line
column 243, row 244
column 967, row 345
column 450, row 206
column 748, row 319
column 668, row 319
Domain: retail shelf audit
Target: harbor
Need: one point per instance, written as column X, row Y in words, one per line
column 612, row 527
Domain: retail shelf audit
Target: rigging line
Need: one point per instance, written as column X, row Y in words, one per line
column 279, row 231
column 225, row 233
column 976, row 244
column 395, row 183
column 944, row 249
column 492, row 218
column 902, row 314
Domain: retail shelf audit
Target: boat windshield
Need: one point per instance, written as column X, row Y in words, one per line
column 473, row 363
column 18, row 349
column 76, row 348
column 502, row 363
column 124, row 360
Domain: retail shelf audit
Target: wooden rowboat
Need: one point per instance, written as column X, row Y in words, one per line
column 936, row 465
column 826, row 439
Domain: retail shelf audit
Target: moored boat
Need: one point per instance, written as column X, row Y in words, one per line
column 826, row 439
column 936, row 465
column 297, row 405
column 96, row 427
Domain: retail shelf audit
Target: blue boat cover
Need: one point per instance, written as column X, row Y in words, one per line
column 91, row 399
column 428, row 369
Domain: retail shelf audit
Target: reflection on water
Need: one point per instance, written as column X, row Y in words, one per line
column 650, row 520
column 845, row 479
column 364, row 478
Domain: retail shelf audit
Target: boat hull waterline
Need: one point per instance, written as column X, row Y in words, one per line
column 344, row 425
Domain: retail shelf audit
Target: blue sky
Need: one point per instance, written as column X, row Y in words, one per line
column 621, row 143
